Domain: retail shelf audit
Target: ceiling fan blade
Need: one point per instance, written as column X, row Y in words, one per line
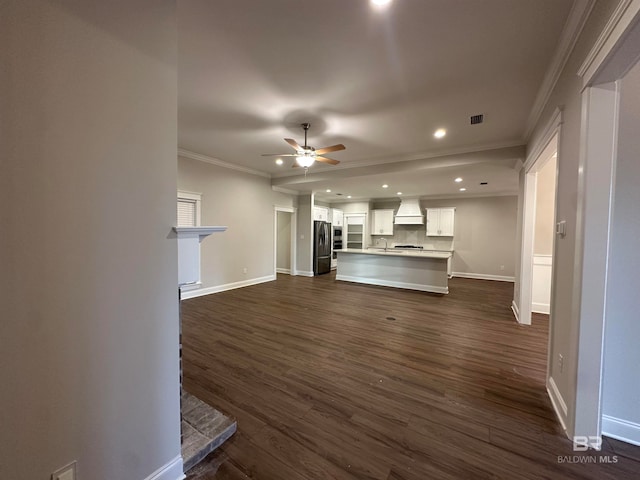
column 293, row 143
column 332, row 148
column 330, row 161
column 279, row 155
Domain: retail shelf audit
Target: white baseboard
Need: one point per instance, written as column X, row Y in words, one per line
column 515, row 310
column 541, row 308
column 228, row 286
column 286, row 271
column 386, row 283
column 558, row 403
column 302, row 273
column 622, row 430
column 484, row 276
column 170, row 471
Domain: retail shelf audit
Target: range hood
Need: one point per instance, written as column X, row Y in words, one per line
column 409, row 212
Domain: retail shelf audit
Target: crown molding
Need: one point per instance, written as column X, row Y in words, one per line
column 615, row 28
column 215, row 161
column 580, row 11
column 288, row 191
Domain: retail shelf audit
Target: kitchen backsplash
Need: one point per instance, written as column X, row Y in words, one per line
column 413, row 235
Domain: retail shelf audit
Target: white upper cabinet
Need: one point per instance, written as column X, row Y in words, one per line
column 382, row 222
column 321, row 213
column 440, row 222
column 337, row 217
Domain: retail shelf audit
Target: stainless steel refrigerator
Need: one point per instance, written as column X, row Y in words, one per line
column 321, row 247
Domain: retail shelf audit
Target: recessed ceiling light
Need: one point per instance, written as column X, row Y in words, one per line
column 348, row 196
column 458, row 180
column 463, row 189
column 441, row 132
column 328, row 190
column 380, row 3
column 279, row 161
column 385, row 186
column 399, row 193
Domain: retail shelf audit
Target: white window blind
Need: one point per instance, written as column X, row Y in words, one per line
column 186, row 213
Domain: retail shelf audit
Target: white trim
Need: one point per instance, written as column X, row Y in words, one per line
column 286, row 271
column 304, row 273
column 550, row 129
column 228, row 286
column 514, row 309
column 387, row 283
column 541, row 308
column 288, row 191
column 580, row 11
column 622, row 430
column 187, row 287
column 484, row 276
column 200, row 231
column 545, row 260
column 558, row 403
column 171, row 471
column 613, row 32
column 220, row 163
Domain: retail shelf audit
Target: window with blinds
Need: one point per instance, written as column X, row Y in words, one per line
column 186, row 213
column 189, row 209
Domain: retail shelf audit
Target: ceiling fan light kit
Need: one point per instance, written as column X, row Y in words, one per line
column 306, row 155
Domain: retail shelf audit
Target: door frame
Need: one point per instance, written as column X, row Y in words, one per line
column 522, row 310
column 292, row 261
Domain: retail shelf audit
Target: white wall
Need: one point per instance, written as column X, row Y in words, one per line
column 567, row 95
column 621, row 388
column 89, row 329
column 245, row 204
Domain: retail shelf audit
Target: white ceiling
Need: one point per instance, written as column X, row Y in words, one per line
column 381, row 81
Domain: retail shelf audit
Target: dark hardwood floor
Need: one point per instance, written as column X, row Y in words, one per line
column 332, row 380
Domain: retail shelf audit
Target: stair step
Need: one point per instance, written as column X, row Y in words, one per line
column 203, row 429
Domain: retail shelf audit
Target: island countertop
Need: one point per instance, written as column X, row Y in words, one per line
column 397, row 252
column 413, row 270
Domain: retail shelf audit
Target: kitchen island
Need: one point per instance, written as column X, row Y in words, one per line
column 413, row 270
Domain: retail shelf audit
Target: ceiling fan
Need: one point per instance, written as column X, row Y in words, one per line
column 306, row 155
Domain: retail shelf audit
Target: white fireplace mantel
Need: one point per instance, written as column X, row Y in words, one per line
column 189, row 239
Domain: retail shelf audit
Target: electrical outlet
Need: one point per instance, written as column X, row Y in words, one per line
column 244, row 270
column 501, row 267
column 65, row 473
column 560, row 362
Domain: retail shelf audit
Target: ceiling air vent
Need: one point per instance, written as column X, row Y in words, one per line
column 475, row 119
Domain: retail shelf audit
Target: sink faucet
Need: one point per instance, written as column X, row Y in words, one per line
column 385, row 243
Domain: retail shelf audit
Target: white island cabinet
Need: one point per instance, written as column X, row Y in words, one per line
column 424, row 271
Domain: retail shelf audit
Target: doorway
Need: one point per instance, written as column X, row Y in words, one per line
column 539, row 229
column 284, row 241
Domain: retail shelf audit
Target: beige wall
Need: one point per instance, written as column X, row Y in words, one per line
column 544, row 230
column 283, row 257
column 485, row 233
column 304, row 247
column 567, row 95
column 89, row 329
column 245, row 204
